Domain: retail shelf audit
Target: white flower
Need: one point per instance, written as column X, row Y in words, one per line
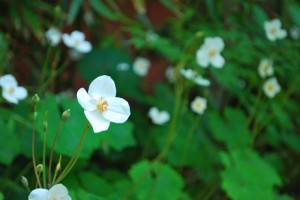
column 192, row 75
column 271, row 87
column 151, row 36
column 141, row 66
column 158, row 117
column 10, row 89
column 100, row 104
column 123, row 66
column 265, row 68
column 198, row 105
column 76, row 40
column 273, row 30
column 53, row 35
column 171, row 74
column 58, row 191
column 295, row 32
column 209, row 52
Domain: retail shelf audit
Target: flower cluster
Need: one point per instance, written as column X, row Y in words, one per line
column 75, row 41
column 10, row 89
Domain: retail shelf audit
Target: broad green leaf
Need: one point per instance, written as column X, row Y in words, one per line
column 81, row 194
column 259, row 16
column 74, row 10
column 9, row 142
column 102, row 9
column 1, row 196
column 230, row 129
column 156, row 181
column 247, row 176
column 294, row 11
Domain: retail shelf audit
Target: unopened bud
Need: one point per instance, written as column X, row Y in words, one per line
column 35, row 99
column 58, row 166
column 24, row 181
column 66, row 115
column 40, row 168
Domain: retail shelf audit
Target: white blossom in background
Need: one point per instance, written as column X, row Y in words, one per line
column 59, row 192
column 123, row 66
column 210, row 53
column 158, row 117
column 100, row 104
column 10, row 89
column 198, row 105
column 273, row 30
column 75, row 55
column 194, row 76
column 295, row 32
column 271, row 87
column 76, row 40
column 151, row 36
column 171, row 74
column 53, row 36
column 265, row 68
column 141, row 66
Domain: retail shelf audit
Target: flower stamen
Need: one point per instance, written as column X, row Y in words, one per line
column 11, row 90
column 102, row 105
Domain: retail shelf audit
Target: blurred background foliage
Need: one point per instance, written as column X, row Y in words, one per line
column 245, row 146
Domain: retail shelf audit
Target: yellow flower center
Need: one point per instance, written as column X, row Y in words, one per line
column 102, row 105
column 76, row 42
column 199, row 105
column 11, row 90
column 212, row 53
column 270, row 87
column 273, row 30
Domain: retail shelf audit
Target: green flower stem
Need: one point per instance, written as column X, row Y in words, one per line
column 189, row 137
column 32, row 148
column 75, row 156
column 255, row 107
column 44, row 152
column 44, row 68
column 52, row 150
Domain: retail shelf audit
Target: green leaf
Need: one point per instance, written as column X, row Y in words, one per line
column 230, row 129
column 156, row 181
column 294, row 10
column 82, row 194
column 247, row 176
column 9, row 142
column 74, row 10
column 102, row 9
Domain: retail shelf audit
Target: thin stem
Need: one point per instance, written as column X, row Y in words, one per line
column 75, row 156
column 33, row 150
column 44, row 68
column 255, row 107
column 44, row 158
column 52, row 150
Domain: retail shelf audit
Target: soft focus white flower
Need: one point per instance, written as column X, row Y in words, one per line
column 295, row 32
column 193, row 76
column 198, row 105
column 209, row 52
column 123, row 66
column 74, row 54
column 58, row 192
column 10, row 89
column 158, row 117
column 53, row 36
column 100, row 104
column 265, row 68
column 151, row 36
column 76, row 40
column 171, row 74
column 141, row 66
column 273, row 30
column 271, row 87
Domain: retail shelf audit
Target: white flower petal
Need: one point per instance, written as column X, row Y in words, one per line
column 282, row 34
column 8, row 80
column 103, row 86
column 77, row 36
column 218, row 61
column 84, row 47
column 202, row 58
column 118, row 110
column 85, row 100
column 38, row 194
column 9, row 97
column 20, row 93
column 67, row 40
column 201, row 81
column 58, row 191
column 98, row 122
